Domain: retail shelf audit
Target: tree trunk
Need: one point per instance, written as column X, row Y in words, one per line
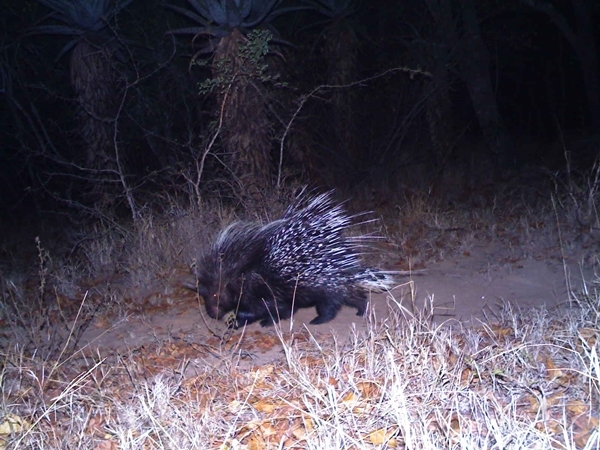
column 437, row 58
column 246, row 126
column 588, row 58
column 339, row 51
column 583, row 41
column 474, row 66
column 474, row 62
column 93, row 81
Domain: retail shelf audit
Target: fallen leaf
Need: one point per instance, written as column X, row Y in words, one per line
column 368, row 389
column 265, row 406
column 12, row 423
column 383, row 436
column 107, row 445
column 577, row 407
column 583, row 428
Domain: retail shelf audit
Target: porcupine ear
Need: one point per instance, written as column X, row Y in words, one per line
column 190, row 281
column 194, row 280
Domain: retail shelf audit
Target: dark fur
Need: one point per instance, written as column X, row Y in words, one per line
column 248, row 269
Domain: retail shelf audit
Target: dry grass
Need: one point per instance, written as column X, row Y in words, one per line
column 528, row 380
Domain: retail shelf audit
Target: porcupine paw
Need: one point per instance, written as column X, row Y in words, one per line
column 231, row 320
column 267, row 322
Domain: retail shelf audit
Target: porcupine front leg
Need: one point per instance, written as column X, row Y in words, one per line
column 275, row 314
column 270, row 300
column 262, row 305
column 246, row 318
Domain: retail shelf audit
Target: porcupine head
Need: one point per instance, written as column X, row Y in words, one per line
column 216, row 287
column 222, row 273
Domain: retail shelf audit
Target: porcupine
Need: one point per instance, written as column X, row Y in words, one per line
column 265, row 273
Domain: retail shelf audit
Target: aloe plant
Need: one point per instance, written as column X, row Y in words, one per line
column 217, row 19
column 79, row 18
column 92, row 55
column 225, row 26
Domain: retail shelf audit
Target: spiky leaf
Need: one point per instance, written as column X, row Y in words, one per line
column 218, row 18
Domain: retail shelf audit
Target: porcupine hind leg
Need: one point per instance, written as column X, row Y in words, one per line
column 327, row 305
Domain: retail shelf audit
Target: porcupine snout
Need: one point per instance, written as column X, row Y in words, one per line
column 212, row 302
column 215, row 292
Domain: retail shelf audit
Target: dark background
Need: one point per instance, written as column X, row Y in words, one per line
column 139, row 102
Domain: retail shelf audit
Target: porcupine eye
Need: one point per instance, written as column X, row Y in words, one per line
column 209, row 295
column 218, row 300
